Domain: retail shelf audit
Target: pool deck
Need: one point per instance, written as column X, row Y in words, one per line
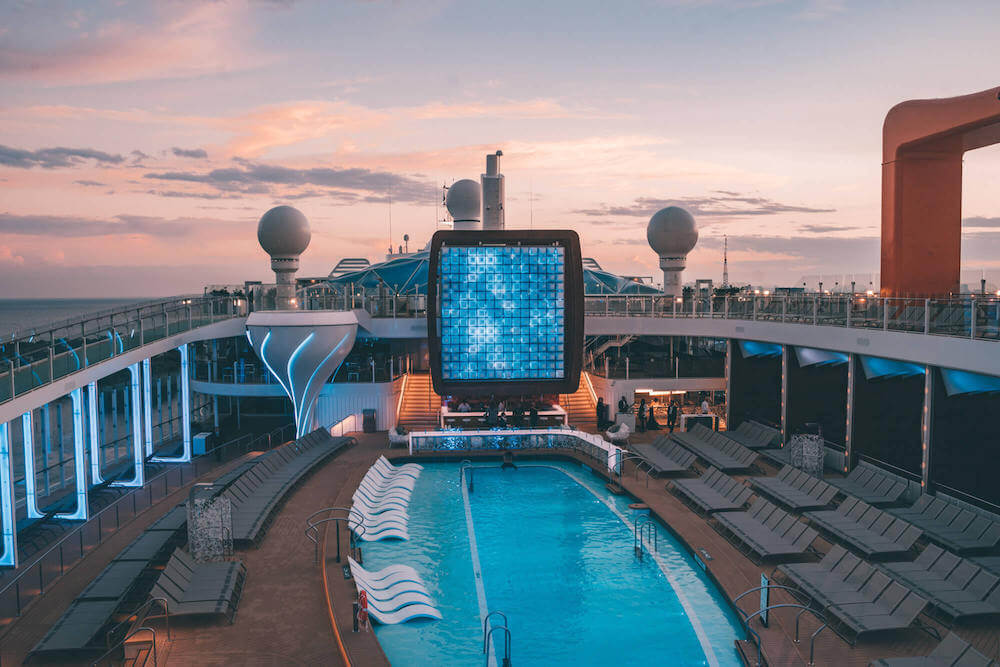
column 284, row 616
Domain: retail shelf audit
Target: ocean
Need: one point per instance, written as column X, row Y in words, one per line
column 24, row 315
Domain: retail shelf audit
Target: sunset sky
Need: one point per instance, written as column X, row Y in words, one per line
column 141, row 142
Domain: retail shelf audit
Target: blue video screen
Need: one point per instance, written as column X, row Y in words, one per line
column 502, row 312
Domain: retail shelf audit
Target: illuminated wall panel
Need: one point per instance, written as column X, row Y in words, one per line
column 506, row 312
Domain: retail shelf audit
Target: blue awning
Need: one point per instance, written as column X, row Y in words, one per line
column 809, row 356
column 876, row 368
column 753, row 348
column 964, row 382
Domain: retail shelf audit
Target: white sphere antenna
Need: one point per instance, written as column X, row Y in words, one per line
column 672, row 233
column 464, row 202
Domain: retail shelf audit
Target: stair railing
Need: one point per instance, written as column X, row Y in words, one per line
column 488, row 637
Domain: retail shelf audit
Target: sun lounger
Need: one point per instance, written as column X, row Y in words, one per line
column 719, row 451
column 955, row 586
column 396, row 594
column 713, row 492
column 868, row 530
column 957, row 528
column 872, row 485
column 192, row 588
column 79, row 628
column 754, row 435
column 862, row 599
column 767, row 531
column 953, row 651
column 796, row 489
column 665, row 456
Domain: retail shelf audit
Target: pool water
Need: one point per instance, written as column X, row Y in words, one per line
column 554, row 552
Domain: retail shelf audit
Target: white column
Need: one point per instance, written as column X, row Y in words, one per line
column 185, row 456
column 95, row 441
column 82, row 512
column 9, row 525
column 147, row 405
column 30, row 493
column 138, row 460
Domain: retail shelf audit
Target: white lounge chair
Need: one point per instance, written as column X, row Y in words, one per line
column 407, row 613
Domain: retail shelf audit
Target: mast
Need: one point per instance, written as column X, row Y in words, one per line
column 725, row 261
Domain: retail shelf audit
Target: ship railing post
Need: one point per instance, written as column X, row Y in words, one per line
column 927, row 316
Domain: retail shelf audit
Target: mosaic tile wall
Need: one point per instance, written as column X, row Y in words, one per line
column 502, row 313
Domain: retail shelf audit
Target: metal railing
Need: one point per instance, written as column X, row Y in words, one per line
column 48, row 353
column 34, row 579
column 974, row 317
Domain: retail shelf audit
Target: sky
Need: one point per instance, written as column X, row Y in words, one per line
column 141, row 142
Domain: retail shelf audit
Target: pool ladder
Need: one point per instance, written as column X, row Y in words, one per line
column 644, row 529
column 488, row 638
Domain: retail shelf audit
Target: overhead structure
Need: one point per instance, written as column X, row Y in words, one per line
column 923, row 142
column 493, row 193
column 283, row 233
column 464, row 203
column 672, row 233
column 302, row 350
column 408, row 275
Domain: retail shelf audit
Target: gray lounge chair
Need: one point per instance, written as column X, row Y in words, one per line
column 768, row 532
column 956, row 587
column 872, row 485
column 953, row 651
column 796, row 489
column 870, row 531
column 719, row 451
column 192, row 588
column 860, row 598
column 665, row 456
column 79, row 628
column 957, row 528
column 713, row 492
column 754, row 435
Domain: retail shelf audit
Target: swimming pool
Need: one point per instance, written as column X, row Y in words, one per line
column 551, row 548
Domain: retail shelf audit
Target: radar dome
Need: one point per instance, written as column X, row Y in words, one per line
column 283, row 232
column 672, row 231
column 464, row 200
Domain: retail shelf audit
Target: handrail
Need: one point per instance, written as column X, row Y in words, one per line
column 506, row 644
column 802, row 607
column 133, row 633
column 312, row 529
column 639, row 527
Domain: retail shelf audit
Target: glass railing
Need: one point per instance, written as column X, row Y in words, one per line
column 45, row 354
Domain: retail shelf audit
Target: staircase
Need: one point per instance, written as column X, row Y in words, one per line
column 581, row 408
column 421, row 407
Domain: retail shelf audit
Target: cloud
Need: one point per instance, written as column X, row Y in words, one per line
column 197, row 153
column 53, row 158
column 181, row 39
column 93, row 184
column 258, row 178
column 119, row 225
column 825, row 229
column 720, row 204
column 981, row 221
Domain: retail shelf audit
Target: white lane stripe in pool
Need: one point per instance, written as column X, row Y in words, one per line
column 706, row 646
column 477, row 569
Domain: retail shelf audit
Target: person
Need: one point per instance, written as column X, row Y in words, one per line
column 623, row 405
column 533, row 416
column 651, row 423
column 492, row 417
column 602, row 413
column 464, row 406
column 704, row 406
column 508, row 461
column 518, row 417
column 641, row 414
column 672, row 416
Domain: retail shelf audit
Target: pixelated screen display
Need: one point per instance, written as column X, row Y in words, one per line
column 502, row 312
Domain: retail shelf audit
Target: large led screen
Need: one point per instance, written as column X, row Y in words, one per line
column 502, row 310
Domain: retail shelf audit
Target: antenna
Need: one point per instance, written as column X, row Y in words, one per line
column 531, row 204
column 390, row 220
column 725, row 261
